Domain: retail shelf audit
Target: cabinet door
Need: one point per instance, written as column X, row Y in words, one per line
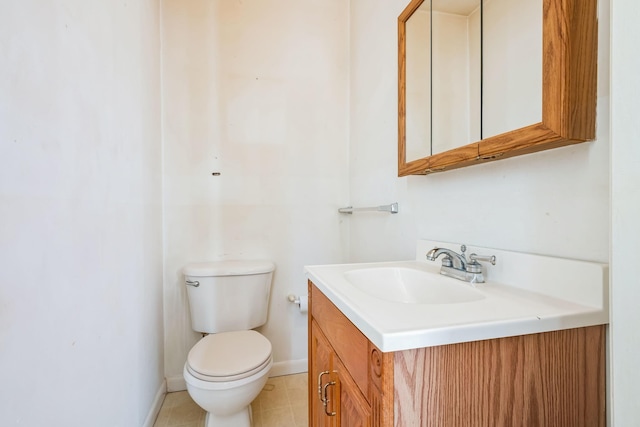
column 321, row 373
column 354, row 411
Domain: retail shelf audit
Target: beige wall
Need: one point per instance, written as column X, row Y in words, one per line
column 255, row 90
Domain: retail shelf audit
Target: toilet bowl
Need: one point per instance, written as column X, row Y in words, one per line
column 226, row 370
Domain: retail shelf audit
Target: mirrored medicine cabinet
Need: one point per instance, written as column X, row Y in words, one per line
column 482, row 80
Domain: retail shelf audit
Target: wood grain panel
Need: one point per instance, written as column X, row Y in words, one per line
column 354, row 409
column 351, row 346
column 312, row 365
column 380, row 387
column 402, row 88
column 565, row 378
column 321, row 360
column 570, row 50
column 532, row 380
column 521, row 141
column 451, row 159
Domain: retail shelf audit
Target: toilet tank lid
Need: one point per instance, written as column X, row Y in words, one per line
column 228, row 268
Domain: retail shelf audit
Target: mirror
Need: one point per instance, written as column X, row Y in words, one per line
column 442, row 76
column 512, row 65
column 530, row 81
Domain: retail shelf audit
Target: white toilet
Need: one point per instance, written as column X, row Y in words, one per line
column 226, row 370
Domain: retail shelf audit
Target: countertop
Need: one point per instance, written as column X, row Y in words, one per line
column 553, row 294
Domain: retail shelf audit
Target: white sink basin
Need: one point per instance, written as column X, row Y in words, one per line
column 402, row 305
column 411, row 286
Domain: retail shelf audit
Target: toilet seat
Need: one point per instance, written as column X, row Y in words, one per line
column 229, row 356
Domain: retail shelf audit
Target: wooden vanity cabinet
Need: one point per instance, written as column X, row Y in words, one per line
column 554, row 379
column 346, row 369
column 345, row 404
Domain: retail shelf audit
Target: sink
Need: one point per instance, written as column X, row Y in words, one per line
column 406, row 304
column 411, row 286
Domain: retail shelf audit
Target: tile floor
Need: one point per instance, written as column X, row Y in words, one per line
column 282, row 403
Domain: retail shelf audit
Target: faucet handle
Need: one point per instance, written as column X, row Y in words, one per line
column 473, row 266
column 486, row 258
column 447, row 261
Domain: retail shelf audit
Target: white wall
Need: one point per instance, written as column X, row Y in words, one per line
column 625, row 208
column 257, row 91
column 80, row 213
column 554, row 203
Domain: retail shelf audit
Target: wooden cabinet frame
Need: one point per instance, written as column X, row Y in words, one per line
column 554, row 379
column 569, row 83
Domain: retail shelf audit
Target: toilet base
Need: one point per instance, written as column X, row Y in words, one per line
column 243, row 418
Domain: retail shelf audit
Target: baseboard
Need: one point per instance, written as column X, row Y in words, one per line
column 278, row 369
column 176, row 383
column 155, row 407
column 289, row 367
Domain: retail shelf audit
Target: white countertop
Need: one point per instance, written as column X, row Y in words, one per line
column 544, row 294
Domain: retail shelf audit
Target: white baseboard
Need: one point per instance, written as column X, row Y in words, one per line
column 176, row 383
column 156, row 405
column 288, row 367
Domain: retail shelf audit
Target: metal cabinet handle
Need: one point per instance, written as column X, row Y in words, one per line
column 326, row 400
column 320, row 384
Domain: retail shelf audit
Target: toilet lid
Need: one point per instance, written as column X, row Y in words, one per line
column 227, row 268
column 229, row 355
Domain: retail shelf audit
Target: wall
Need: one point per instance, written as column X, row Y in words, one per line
column 553, row 203
column 257, row 91
column 625, row 208
column 80, row 213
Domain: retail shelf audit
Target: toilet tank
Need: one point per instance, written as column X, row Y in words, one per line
column 228, row 295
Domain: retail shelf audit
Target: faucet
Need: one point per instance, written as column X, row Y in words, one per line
column 451, row 258
column 457, row 266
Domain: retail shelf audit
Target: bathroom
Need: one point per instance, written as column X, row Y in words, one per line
column 137, row 136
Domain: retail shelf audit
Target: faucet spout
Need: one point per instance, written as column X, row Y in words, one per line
column 459, row 261
column 456, row 265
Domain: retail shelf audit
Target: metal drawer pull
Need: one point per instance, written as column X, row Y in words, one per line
column 194, row 284
column 320, row 384
column 326, row 400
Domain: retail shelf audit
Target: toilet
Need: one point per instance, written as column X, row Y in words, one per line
column 226, row 370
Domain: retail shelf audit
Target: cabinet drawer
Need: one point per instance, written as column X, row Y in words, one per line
column 351, row 346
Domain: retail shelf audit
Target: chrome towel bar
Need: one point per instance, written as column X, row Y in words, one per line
column 392, row 208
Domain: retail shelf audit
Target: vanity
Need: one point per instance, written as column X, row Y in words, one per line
column 525, row 348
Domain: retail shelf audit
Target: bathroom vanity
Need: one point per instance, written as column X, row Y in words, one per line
column 384, row 362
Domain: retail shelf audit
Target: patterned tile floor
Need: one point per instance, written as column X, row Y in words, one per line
column 281, row 403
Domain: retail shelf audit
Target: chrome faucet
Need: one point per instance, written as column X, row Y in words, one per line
column 457, row 266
